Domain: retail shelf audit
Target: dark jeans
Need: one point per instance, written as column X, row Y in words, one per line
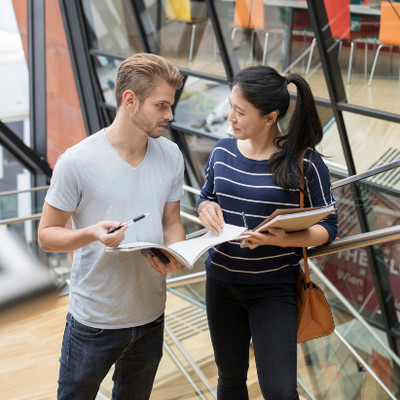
column 265, row 313
column 88, row 353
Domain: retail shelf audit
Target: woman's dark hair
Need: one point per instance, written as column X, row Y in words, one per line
column 267, row 90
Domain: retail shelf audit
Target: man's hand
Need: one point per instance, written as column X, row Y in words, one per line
column 55, row 235
column 100, row 232
column 161, row 268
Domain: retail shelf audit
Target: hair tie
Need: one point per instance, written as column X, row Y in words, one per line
column 287, row 77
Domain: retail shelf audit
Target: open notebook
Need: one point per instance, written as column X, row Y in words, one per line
column 189, row 251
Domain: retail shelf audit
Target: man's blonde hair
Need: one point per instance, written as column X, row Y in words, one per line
column 141, row 73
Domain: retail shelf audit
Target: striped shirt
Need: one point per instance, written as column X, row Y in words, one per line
column 240, row 185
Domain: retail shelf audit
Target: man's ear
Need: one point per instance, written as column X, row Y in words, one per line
column 129, row 99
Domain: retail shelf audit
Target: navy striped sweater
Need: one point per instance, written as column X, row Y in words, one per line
column 239, row 185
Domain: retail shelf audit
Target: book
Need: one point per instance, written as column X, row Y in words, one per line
column 295, row 219
column 186, row 251
column 190, row 250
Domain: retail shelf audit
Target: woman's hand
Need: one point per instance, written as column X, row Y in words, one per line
column 313, row 236
column 272, row 237
column 211, row 216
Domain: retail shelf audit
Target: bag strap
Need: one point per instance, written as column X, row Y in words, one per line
column 305, row 257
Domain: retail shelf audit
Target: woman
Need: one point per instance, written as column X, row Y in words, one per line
column 250, row 287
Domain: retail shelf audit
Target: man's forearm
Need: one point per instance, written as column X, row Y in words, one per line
column 174, row 233
column 58, row 239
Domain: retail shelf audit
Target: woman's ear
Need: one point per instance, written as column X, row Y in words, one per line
column 271, row 118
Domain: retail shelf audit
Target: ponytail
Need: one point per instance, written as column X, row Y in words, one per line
column 267, row 91
column 304, row 131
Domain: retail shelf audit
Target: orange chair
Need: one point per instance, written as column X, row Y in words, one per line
column 180, row 10
column 249, row 15
column 389, row 30
column 338, row 13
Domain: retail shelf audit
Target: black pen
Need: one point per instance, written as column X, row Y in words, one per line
column 131, row 221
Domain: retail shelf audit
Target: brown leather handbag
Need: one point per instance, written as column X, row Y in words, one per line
column 314, row 317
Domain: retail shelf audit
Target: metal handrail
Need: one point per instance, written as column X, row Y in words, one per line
column 13, row 192
column 355, row 241
column 366, row 174
column 11, row 221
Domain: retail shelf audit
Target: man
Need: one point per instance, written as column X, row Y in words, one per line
column 116, row 301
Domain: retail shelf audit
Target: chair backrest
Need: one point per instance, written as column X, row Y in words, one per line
column 178, row 10
column 249, row 14
column 301, row 19
column 338, row 12
column 389, row 30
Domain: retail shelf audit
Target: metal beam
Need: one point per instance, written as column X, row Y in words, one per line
column 228, row 56
column 37, row 75
column 22, row 152
column 138, row 10
column 90, row 95
column 328, row 50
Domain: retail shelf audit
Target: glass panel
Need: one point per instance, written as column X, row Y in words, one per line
column 26, row 235
column 182, row 32
column 290, row 35
column 330, row 146
column 22, row 275
column 370, row 29
column 14, row 176
column 111, row 27
column 356, row 35
column 14, row 74
column 330, row 370
column 12, row 169
column 350, row 272
column 204, row 107
column 106, row 69
column 274, row 33
column 372, row 141
column 199, row 148
column 376, row 200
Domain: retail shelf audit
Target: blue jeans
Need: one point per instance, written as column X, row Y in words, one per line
column 88, row 354
column 265, row 313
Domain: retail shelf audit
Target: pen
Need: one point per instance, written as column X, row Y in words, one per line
column 245, row 221
column 131, row 221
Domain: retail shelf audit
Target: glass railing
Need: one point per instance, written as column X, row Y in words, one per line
column 20, row 212
column 354, row 361
column 357, row 355
column 368, row 206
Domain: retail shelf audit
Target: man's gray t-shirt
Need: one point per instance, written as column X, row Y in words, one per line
column 116, row 290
